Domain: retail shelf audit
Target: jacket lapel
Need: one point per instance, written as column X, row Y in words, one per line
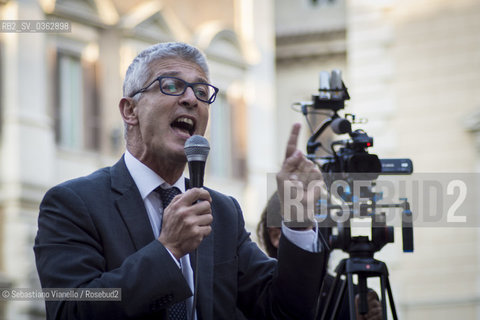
column 130, row 205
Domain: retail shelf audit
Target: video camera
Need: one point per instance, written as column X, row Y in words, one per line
column 348, row 165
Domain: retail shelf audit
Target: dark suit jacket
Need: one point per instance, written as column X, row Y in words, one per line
column 94, row 232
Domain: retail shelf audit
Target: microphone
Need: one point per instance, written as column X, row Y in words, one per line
column 341, row 126
column 336, row 84
column 324, row 85
column 196, row 149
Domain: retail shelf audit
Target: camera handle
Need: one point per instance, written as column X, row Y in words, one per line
column 338, row 124
column 313, row 144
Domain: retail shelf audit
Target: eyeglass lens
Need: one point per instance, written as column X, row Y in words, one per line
column 177, row 87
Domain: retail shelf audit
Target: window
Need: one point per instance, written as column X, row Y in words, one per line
column 70, row 108
column 227, row 157
column 77, row 112
column 220, row 138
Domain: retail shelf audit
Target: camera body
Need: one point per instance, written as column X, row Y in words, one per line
column 354, row 157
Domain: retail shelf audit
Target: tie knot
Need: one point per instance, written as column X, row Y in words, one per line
column 167, row 194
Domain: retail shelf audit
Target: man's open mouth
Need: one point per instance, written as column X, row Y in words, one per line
column 184, row 124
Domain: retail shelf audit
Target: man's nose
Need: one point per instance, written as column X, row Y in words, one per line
column 188, row 98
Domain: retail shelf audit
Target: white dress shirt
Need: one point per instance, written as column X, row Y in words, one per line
column 147, row 181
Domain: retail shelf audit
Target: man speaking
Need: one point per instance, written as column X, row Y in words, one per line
column 138, row 227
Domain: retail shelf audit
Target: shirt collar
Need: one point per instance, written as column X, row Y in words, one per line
column 146, row 179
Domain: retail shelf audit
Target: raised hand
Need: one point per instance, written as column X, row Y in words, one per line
column 299, row 184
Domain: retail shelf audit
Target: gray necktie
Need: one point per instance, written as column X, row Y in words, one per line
column 179, row 310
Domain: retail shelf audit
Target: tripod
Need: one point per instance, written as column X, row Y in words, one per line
column 361, row 263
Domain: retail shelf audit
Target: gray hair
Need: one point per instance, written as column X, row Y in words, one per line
column 139, row 72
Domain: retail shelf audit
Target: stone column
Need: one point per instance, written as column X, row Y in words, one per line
column 27, row 148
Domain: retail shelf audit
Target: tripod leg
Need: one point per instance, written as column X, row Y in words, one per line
column 351, row 296
column 340, row 270
column 390, row 298
column 384, row 301
column 336, row 307
column 362, row 286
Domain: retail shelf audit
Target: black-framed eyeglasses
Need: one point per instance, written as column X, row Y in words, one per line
column 174, row 86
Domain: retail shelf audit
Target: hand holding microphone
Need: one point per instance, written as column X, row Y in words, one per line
column 188, row 217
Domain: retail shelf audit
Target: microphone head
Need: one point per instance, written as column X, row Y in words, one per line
column 324, row 80
column 336, row 84
column 341, row 126
column 336, row 79
column 324, row 85
column 196, row 148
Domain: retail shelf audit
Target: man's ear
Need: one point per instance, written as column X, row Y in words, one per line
column 128, row 111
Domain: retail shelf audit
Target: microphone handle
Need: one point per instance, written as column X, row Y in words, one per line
column 197, row 171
